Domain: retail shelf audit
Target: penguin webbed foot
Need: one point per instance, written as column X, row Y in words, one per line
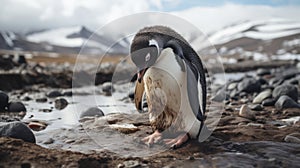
column 178, row 141
column 155, row 137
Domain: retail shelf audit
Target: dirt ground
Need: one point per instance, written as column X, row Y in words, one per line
column 234, row 143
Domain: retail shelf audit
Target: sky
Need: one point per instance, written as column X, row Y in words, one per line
column 208, row 15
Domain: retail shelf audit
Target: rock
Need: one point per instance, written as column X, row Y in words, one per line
column 286, row 102
column 232, row 86
column 256, row 107
column 67, row 93
column 131, row 164
column 45, row 110
column 276, row 81
column 60, row 103
column 17, row 130
column 27, row 98
column 49, row 141
column 292, row 120
column 293, row 138
column 108, row 88
column 22, row 59
column 255, row 125
column 16, row 107
column 262, row 81
column 124, row 128
column 54, row 94
column 220, row 96
column 243, row 94
column 6, row 63
column 131, row 95
column 41, row 100
column 262, row 96
column 37, row 126
column 262, row 72
column 269, row 102
column 249, row 85
column 289, row 90
column 246, row 112
column 3, row 101
column 93, row 111
column 289, row 73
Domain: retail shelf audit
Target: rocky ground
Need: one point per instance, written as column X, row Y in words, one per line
column 259, row 126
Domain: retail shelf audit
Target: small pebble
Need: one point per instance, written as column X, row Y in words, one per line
column 37, row 126
column 60, row 103
column 131, row 164
column 49, row 141
column 54, row 94
column 292, row 138
column 41, row 100
column 256, row 107
column 246, row 112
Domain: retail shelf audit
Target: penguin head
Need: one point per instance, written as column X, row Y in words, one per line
column 144, row 52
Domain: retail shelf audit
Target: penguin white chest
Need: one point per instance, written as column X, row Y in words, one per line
column 165, row 87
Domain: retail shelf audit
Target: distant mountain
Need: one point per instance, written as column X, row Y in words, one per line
column 243, row 39
column 63, row 40
column 266, row 36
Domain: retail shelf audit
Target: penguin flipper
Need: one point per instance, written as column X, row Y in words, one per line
column 193, row 93
column 195, row 78
column 138, row 95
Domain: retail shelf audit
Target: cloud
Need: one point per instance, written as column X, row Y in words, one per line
column 23, row 16
column 19, row 15
column 209, row 19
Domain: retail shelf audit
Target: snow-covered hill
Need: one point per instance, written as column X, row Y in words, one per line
column 259, row 40
column 77, row 37
column 260, row 30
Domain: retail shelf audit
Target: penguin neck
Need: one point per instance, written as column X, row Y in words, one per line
column 167, row 61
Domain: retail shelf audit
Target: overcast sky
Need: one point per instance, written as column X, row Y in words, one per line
column 208, row 15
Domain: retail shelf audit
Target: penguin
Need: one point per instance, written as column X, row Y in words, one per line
column 172, row 76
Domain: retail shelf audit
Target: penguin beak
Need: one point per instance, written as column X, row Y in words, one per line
column 141, row 74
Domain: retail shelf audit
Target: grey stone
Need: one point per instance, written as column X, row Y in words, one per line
column 108, row 88
column 269, row 102
column 292, row 139
column 262, row 72
column 93, row 111
column 17, row 130
column 262, row 96
column 286, row 102
column 249, row 85
column 246, row 112
column 232, row 86
column 60, row 103
column 16, row 107
column 3, row 101
column 41, row 100
column 54, row 94
column 256, row 107
column 289, row 90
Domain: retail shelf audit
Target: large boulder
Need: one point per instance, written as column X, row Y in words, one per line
column 286, row 89
column 16, row 107
column 249, row 85
column 16, row 130
column 286, row 102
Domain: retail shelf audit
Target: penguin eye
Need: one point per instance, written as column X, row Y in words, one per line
column 147, row 58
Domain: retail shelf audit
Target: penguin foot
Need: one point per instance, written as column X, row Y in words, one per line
column 178, row 141
column 153, row 138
